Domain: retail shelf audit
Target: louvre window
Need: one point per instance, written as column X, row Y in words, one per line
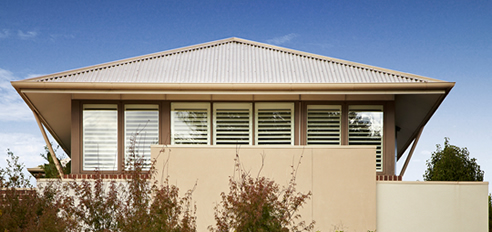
column 141, row 131
column 274, row 123
column 190, row 123
column 100, row 137
column 232, row 123
column 323, row 124
column 366, row 128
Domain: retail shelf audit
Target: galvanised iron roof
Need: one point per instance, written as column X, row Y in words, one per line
column 232, row 60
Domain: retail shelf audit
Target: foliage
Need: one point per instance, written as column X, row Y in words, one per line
column 50, row 170
column 31, row 211
column 134, row 205
column 93, row 205
column 452, row 163
column 259, row 204
column 12, row 175
column 22, row 208
column 490, row 213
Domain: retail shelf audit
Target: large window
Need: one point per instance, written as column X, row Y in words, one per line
column 366, row 128
column 105, row 148
column 274, row 123
column 232, row 123
column 323, row 124
column 141, row 131
column 100, row 137
column 190, row 123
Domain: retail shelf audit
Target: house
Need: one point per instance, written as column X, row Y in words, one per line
column 195, row 107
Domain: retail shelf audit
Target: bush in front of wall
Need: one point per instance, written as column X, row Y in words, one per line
column 260, row 204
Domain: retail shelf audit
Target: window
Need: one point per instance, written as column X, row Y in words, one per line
column 274, row 123
column 105, row 148
column 100, row 137
column 232, row 123
column 366, row 128
column 323, row 124
column 189, row 123
column 141, row 131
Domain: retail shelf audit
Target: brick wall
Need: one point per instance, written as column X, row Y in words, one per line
column 388, row 178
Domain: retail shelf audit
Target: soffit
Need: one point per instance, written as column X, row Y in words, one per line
column 232, row 60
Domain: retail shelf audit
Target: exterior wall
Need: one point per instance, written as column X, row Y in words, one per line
column 341, row 178
column 432, row 206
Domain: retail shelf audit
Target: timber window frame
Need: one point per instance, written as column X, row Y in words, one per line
column 297, row 130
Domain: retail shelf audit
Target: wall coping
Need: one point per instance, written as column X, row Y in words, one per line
column 435, row 182
column 265, row 146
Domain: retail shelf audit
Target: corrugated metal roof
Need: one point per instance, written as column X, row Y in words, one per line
column 233, row 60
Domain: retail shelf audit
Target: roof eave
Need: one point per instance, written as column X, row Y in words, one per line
column 446, row 86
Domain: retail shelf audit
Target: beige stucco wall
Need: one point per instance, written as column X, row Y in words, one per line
column 432, row 206
column 341, row 178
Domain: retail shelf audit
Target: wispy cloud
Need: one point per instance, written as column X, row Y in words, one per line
column 282, row 39
column 34, row 75
column 54, row 37
column 27, row 34
column 25, row 145
column 13, row 108
column 4, row 33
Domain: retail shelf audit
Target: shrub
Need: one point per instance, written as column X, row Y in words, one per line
column 452, row 163
column 134, row 205
column 22, row 208
column 259, row 204
column 96, row 205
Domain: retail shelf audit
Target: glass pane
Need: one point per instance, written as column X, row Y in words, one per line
column 190, row 123
column 232, row 123
column 366, row 128
column 323, row 125
column 274, row 123
column 100, row 137
column 141, row 131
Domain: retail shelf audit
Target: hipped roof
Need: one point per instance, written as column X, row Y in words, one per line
column 233, row 60
column 234, row 66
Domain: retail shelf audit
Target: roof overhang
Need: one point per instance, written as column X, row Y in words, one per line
column 415, row 103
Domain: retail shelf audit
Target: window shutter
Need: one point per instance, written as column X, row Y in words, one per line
column 366, row 128
column 323, row 124
column 274, row 123
column 232, row 123
column 190, row 123
column 100, row 137
column 141, row 131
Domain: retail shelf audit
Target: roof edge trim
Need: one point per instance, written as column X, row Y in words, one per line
column 236, row 92
column 234, row 86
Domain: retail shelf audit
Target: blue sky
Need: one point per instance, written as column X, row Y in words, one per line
column 447, row 40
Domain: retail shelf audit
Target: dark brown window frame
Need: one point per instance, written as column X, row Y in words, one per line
column 300, row 125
